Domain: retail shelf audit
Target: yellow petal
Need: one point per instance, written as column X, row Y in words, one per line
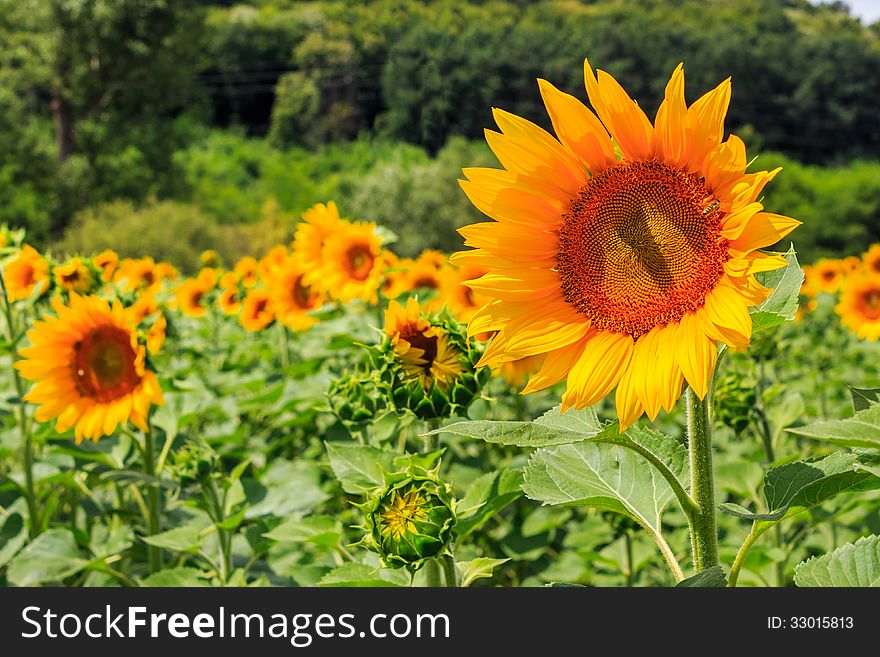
column 604, row 360
column 707, row 123
column 671, row 126
column 763, row 229
column 696, row 353
column 556, row 366
column 578, row 128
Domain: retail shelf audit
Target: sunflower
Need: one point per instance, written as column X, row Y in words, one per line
column 229, row 300
column 422, row 348
column 424, row 272
column 107, row 261
column 460, row 299
column 256, row 310
column 394, row 279
column 319, row 223
column 208, row 277
column 246, row 268
column 229, row 279
column 209, row 258
column 825, row 275
column 190, row 296
column 74, row 276
column 271, row 261
column 859, row 306
column 871, row 259
column 291, row 299
column 26, row 273
column 137, row 274
column 351, row 267
column 624, row 272
column 89, row 369
column 143, row 307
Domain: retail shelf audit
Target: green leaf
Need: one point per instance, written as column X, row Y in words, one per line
column 52, row 556
column 319, row 530
column 601, row 476
column 864, row 397
column 477, row 568
column 286, row 488
column 359, row 468
column 13, row 535
column 485, row 497
column 177, row 577
column 782, row 304
column 362, row 575
column 668, row 450
column 853, row 564
column 552, row 428
column 713, row 577
column 180, row 539
column 861, row 430
column 795, row 487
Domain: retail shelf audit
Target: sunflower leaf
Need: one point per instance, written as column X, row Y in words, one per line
column 864, row 398
column 782, row 304
column 52, row 556
column 552, row 428
column 861, row 430
column 601, row 476
column 853, row 564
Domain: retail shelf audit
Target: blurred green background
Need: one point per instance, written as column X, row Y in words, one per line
column 165, row 127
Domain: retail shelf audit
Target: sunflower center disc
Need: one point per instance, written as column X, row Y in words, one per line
column 104, row 364
column 640, row 247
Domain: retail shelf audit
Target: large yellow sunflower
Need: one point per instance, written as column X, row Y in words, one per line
column 624, row 271
column 26, row 272
column 320, row 222
column 350, row 264
column 423, row 349
column 89, row 369
column 291, row 299
column 859, row 306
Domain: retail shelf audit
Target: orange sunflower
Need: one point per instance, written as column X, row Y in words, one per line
column 256, row 310
column 319, row 223
column 89, row 369
column 246, row 268
column 74, row 276
column 825, row 275
column 422, row 348
column 291, row 299
column 190, row 297
column 25, row 273
column 625, row 272
column 107, row 261
column 871, row 259
column 859, row 306
column 230, row 301
column 351, row 267
column 462, row 301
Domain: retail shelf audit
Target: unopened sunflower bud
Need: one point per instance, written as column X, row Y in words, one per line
column 411, row 521
column 355, row 399
column 734, row 401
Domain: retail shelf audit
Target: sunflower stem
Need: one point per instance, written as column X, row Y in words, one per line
column 14, row 336
column 449, row 571
column 704, row 532
column 154, row 554
column 432, row 567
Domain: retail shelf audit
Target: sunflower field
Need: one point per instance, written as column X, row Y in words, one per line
column 623, row 378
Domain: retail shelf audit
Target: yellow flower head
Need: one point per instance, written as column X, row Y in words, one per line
column 256, row 310
column 229, row 279
column 271, row 261
column 624, row 272
column 291, row 299
column 424, row 272
column 859, row 306
column 351, row 267
column 107, row 261
column 246, row 268
column 230, row 303
column 190, row 298
column 320, row 222
column 208, row 277
column 143, row 307
column 74, row 276
column 825, row 275
column 423, row 349
column 89, row 369
column 209, row 258
column 27, row 272
column 871, row 259
column 137, row 274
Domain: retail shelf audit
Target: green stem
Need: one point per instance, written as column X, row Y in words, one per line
column 630, row 574
column 432, row 567
column 23, row 424
column 153, row 552
column 754, row 533
column 449, row 571
column 284, row 347
column 704, row 533
column 432, row 573
column 225, row 538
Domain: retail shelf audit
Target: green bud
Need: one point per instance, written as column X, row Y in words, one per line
column 355, row 399
column 734, row 401
column 411, row 521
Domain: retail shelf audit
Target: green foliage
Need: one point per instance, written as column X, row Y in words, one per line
column 296, row 107
column 166, row 230
column 853, row 564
